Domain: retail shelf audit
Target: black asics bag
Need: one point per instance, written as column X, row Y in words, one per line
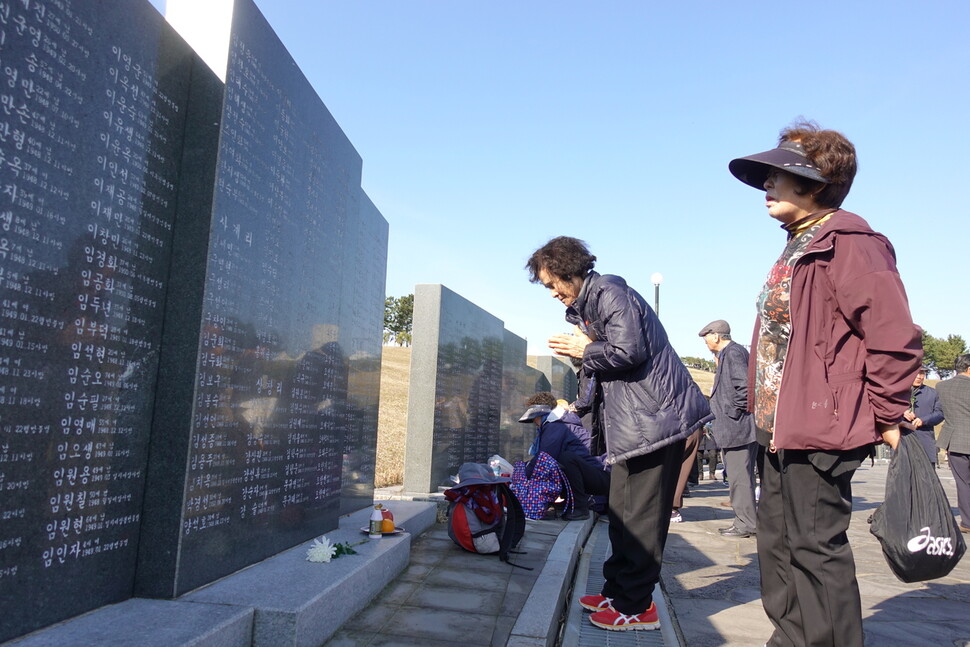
column 920, row 537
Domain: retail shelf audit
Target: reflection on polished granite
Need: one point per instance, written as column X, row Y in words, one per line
column 192, row 289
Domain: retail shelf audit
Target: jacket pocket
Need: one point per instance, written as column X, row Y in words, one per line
column 647, row 398
column 847, row 391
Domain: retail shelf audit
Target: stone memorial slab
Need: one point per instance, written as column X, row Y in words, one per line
column 362, row 320
column 284, row 342
column 92, row 113
column 191, row 298
column 454, row 401
column 519, row 382
column 560, row 373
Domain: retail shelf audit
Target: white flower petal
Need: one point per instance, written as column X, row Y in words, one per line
column 321, row 550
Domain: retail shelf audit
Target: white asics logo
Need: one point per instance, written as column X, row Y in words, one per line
column 933, row 545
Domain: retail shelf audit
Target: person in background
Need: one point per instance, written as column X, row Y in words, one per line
column 586, row 473
column 563, row 411
column 733, row 427
column 955, row 435
column 834, row 354
column 706, row 453
column 924, row 413
column 687, row 463
column 647, row 405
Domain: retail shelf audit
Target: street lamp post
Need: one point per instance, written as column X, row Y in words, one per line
column 656, row 278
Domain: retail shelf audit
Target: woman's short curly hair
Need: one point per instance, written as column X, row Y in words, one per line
column 563, row 256
column 542, row 397
column 834, row 156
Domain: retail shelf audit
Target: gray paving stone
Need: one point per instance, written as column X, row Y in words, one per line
column 513, row 603
column 522, row 581
column 416, row 572
column 714, row 622
column 457, row 559
column 385, row 640
column 372, row 619
column 916, row 633
column 351, row 639
column 457, row 599
column 425, row 556
column 397, row 592
column 478, row 580
column 438, row 624
column 714, row 590
column 501, row 633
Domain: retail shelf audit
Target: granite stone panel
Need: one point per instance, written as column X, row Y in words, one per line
column 191, row 299
column 560, row 373
column 285, row 347
column 469, row 384
column 519, row 381
column 454, row 401
column 94, row 105
column 362, row 320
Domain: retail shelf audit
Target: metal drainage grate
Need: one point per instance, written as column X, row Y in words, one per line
column 590, row 636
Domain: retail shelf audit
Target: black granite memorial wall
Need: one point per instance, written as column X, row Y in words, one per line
column 469, row 382
column 191, row 298
column 455, row 387
column 362, row 322
column 561, row 374
column 288, row 339
column 92, row 112
column 519, row 382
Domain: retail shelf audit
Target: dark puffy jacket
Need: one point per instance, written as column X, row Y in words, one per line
column 649, row 399
column 555, row 438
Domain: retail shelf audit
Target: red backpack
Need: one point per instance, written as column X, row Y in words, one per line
column 484, row 515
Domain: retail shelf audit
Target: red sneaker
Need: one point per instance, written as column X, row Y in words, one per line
column 615, row 621
column 595, row 602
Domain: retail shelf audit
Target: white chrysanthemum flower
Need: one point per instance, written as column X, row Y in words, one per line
column 321, row 550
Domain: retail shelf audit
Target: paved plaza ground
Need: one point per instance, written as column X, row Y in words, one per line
column 710, row 588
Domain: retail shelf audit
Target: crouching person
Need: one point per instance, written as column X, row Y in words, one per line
column 585, row 473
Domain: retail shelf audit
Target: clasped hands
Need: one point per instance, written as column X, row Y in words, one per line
column 570, row 344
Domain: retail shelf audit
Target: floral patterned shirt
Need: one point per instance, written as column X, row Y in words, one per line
column 774, row 308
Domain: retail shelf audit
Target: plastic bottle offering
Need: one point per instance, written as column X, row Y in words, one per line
column 496, row 468
column 376, row 521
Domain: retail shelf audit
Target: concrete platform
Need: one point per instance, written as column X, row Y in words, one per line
column 283, row 601
column 448, row 596
column 152, row 623
column 299, row 603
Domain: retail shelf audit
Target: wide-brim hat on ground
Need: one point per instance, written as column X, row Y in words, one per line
column 478, row 474
column 533, row 411
column 788, row 156
column 718, row 326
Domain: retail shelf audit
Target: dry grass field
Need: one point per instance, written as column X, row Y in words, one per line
column 392, row 416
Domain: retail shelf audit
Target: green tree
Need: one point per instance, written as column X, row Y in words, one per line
column 939, row 354
column 398, row 318
column 699, row 363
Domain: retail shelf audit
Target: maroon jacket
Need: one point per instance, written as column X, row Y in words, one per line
column 853, row 351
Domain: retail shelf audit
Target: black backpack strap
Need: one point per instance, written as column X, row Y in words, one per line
column 514, row 528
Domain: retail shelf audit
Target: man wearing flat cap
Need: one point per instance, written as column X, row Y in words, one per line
column 733, row 427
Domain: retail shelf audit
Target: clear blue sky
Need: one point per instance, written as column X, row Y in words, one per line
column 487, row 128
